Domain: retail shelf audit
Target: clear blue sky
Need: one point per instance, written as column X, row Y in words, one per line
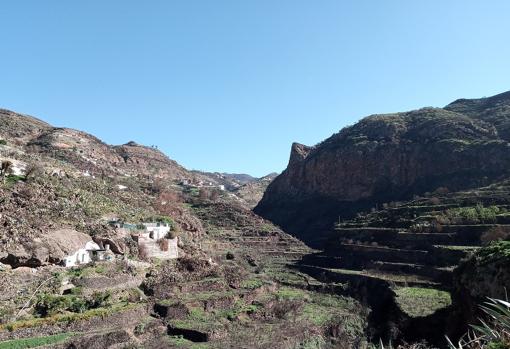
column 228, row 85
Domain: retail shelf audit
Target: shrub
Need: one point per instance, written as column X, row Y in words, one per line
column 287, row 307
column 175, row 232
column 163, row 244
column 100, row 300
column 3, row 142
column 48, row 304
column 12, row 179
column 474, row 215
column 230, row 255
column 495, row 234
column 491, row 334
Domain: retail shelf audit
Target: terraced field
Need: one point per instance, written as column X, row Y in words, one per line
column 411, row 249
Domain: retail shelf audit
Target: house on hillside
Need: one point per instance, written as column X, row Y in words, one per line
column 157, row 230
column 154, row 241
column 90, row 252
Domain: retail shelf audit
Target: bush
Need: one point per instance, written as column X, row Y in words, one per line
column 474, row 215
column 495, row 234
column 100, row 300
column 287, row 307
column 494, row 333
column 3, row 142
column 48, row 304
column 175, row 232
column 163, row 244
column 230, row 256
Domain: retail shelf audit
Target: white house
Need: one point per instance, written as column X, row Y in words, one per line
column 156, row 231
column 90, row 252
column 154, row 241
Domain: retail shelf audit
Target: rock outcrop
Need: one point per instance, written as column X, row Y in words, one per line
column 49, row 248
column 389, row 157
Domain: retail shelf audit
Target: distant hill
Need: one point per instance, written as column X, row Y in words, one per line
column 251, row 193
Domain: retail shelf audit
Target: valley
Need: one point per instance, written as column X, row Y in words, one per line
column 391, row 231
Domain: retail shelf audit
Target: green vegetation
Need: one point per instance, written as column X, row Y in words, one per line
column 417, row 301
column 25, row 343
column 13, row 179
column 315, row 342
column 473, row 215
column 287, row 293
column 491, row 334
column 496, row 251
column 68, row 317
column 3, row 142
column 49, row 304
column 252, row 284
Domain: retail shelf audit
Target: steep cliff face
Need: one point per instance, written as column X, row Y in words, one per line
column 384, row 158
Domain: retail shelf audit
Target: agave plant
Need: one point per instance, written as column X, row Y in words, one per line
column 492, row 334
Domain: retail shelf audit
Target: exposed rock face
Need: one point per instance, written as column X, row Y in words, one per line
column 388, row 157
column 50, row 247
column 298, row 153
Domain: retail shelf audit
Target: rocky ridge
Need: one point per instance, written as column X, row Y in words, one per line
column 390, row 157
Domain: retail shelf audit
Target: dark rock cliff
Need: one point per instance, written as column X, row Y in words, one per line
column 390, row 157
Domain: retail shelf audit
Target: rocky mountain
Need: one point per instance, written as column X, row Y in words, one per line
column 390, row 157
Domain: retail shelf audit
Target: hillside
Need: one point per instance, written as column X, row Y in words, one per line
column 252, row 192
column 403, row 209
column 390, row 157
column 412, row 250
column 62, row 190
column 247, row 189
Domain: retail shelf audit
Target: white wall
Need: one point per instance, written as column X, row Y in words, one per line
column 159, row 232
column 82, row 256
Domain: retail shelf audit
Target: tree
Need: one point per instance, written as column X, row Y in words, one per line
column 5, row 168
